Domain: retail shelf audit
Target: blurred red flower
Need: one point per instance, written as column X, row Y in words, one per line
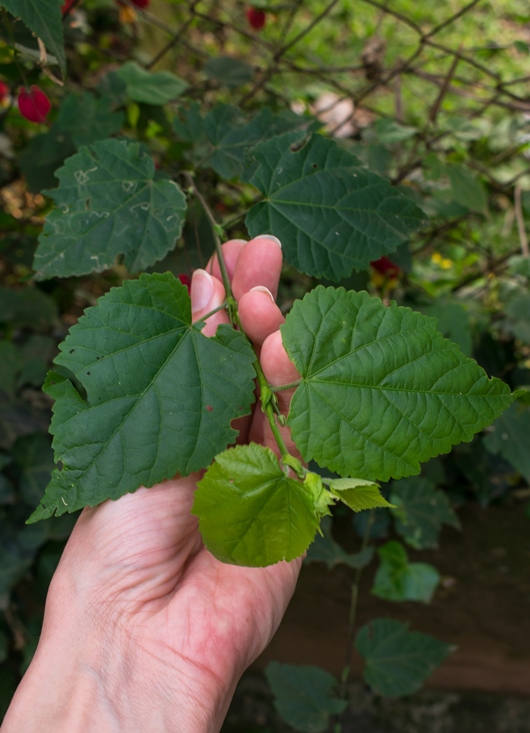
column 34, row 105
column 256, row 18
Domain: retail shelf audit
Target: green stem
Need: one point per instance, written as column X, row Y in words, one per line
column 283, row 387
column 346, row 673
column 269, row 404
column 215, row 310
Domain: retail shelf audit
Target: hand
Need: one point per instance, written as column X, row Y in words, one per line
column 144, row 630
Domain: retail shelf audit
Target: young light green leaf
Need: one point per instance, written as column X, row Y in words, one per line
column 108, row 204
column 160, row 395
column 420, row 512
column 509, row 437
column 43, row 17
column 381, row 388
column 157, row 88
column 304, row 695
column 325, row 549
column 331, row 214
column 398, row 661
column 250, row 513
column 397, row 579
column 358, row 494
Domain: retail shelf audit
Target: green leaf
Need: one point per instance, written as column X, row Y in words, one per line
column 231, row 72
column 381, row 388
column 108, row 204
column 304, row 695
column 389, row 131
column 421, row 511
column 398, row 661
column 509, row 437
column 358, row 494
column 331, row 215
column 397, row 579
column 160, row 395
column 467, row 190
column 250, row 513
column 10, row 365
column 43, row 17
column 325, row 549
column 156, row 88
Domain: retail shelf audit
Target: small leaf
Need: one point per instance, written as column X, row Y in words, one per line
column 331, row 214
column 398, row 661
column 43, row 17
column 34, row 456
column 325, row 549
column 509, row 437
column 453, row 321
column 27, row 308
column 149, row 376
column 304, row 695
column 397, row 579
column 250, row 513
column 421, row 511
column 389, row 391
column 358, row 494
column 109, row 204
column 86, row 118
column 157, row 88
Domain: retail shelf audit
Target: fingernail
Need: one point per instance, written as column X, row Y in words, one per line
column 271, row 237
column 262, row 289
column 239, row 241
column 201, row 290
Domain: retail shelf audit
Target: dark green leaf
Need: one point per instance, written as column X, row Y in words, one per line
column 10, row 365
column 157, row 88
column 398, row 661
column 43, row 17
column 388, row 389
column 304, row 695
column 231, row 134
column 34, row 456
column 108, row 204
column 331, row 215
column 466, row 189
column 389, row 131
column 86, row 119
column 397, row 579
column 421, row 511
column 325, row 549
column 160, row 395
column 231, row 72
column 27, row 308
column 453, row 321
column 42, row 156
column 518, row 317
column 358, row 494
column 13, row 565
column 250, row 513
column 509, row 437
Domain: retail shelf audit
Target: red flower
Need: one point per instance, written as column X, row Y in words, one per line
column 65, row 7
column 4, row 91
column 34, row 105
column 385, row 266
column 256, row 18
column 141, row 3
column 185, row 280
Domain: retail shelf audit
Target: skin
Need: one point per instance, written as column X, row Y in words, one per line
column 144, row 630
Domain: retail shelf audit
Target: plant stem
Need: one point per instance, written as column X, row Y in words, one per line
column 291, row 385
column 346, row 673
column 215, row 310
column 269, row 404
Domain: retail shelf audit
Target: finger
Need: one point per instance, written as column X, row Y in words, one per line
column 259, row 263
column 278, row 368
column 259, row 314
column 207, row 293
column 231, row 250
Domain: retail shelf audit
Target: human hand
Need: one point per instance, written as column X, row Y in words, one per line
column 144, row 629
